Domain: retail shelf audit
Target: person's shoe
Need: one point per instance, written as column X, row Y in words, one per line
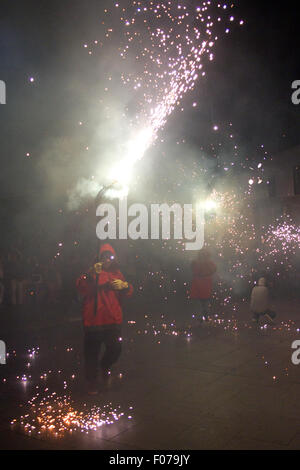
column 92, row 389
column 205, row 322
column 269, row 318
column 106, row 377
column 205, row 319
column 105, row 373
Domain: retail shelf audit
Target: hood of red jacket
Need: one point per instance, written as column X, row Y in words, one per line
column 107, row 247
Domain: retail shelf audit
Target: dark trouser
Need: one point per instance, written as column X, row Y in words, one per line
column 201, row 306
column 92, row 346
column 204, row 305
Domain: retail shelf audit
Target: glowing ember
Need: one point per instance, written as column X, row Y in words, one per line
column 56, row 415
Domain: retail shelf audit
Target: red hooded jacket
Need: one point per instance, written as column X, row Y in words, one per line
column 109, row 310
column 202, row 283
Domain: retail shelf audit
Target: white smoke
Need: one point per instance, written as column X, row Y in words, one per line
column 84, row 189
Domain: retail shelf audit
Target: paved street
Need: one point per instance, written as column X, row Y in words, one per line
column 179, row 385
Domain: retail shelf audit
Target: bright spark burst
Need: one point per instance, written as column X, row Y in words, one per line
column 282, row 240
column 170, row 42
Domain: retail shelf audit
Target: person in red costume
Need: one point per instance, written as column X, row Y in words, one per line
column 102, row 317
column 203, row 270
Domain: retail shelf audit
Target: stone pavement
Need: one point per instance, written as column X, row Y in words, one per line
column 223, row 385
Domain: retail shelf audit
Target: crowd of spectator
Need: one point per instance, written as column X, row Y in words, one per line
column 42, row 279
column 28, row 280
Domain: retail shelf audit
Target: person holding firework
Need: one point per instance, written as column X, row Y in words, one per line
column 102, row 289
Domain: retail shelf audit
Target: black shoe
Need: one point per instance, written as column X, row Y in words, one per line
column 92, row 389
column 106, row 377
column 106, row 380
column 105, row 373
column 269, row 318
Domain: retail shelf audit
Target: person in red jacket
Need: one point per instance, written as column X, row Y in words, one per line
column 203, row 270
column 102, row 316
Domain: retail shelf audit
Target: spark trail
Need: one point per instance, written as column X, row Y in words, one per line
column 170, row 43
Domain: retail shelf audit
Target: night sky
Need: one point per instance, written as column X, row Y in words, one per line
column 249, row 84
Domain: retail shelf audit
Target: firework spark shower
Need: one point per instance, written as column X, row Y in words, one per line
column 166, row 46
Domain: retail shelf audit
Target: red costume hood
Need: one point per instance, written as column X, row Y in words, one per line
column 107, row 247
